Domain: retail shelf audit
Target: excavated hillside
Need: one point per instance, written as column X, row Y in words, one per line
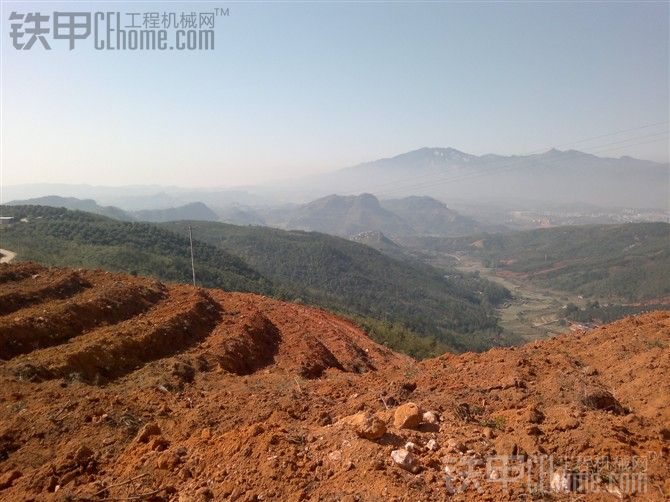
column 115, row 387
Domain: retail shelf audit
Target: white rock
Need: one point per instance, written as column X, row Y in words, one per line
column 404, row 459
column 456, row 446
column 431, row 417
column 409, row 446
column 560, row 481
column 432, row 445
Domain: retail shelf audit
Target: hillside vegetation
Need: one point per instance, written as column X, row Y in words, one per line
column 57, row 236
column 408, row 306
column 629, row 262
column 75, row 204
column 353, row 278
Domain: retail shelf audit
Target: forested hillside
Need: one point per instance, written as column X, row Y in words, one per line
column 408, row 306
column 354, row 278
column 57, row 236
column 629, row 262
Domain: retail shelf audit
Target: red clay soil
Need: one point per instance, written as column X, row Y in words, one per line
column 127, row 389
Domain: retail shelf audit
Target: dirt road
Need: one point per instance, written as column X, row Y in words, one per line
column 6, row 255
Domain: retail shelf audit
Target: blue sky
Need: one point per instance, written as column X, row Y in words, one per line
column 295, row 88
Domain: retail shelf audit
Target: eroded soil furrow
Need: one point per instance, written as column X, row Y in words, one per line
column 44, row 286
column 17, row 272
column 108, row 302
column 184, row 318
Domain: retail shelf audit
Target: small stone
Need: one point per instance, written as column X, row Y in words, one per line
column 600, row 399
column 533, row 430
column 205, row 433
column 150, row 429
column 407, row 416
column 567, row 424
column 488, row 433
column 409, row 446
column 456, row 446
column 83, row 454
column 534, row 416
column 158, row 443
column 431, row 417
column 204, row 494
column 366, row 425
column 494, row 474
column 561, row 481
column 405, row 460
column 335, row 456
column 477, row 462
column 432, row 445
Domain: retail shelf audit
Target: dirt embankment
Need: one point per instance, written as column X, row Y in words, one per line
column 121, row 388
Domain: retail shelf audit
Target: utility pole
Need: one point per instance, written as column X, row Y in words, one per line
column 190, row 239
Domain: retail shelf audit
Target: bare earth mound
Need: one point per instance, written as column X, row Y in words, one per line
column 122, row 388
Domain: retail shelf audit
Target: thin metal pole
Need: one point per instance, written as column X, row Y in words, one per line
column 190, row 238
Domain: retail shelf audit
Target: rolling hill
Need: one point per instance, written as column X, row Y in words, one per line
column 350, row 215
column 394, row 300
column 57, row 236
column 353, row 278
column 88, row 205
column 191, row 211
column 346, row 216
column 428, row 216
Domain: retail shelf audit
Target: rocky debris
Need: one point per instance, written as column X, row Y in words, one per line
column 534, row 415
column 407, row 416
column 83, row 455
column 432, row 445
column 183, row 371
column 533, row 430
column 405, row 460
column 601, row 399
column 455, row 446
column 562, row 481
column 149, row 430
column 366, row 425
column 431, row 417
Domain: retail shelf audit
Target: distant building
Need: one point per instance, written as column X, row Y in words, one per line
column 6, row 220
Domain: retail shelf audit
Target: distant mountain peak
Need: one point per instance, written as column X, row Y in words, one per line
column 448, row 153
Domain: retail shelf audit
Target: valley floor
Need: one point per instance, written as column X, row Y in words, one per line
column 532, row 313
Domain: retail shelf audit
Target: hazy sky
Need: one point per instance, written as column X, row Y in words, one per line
column 294, row 88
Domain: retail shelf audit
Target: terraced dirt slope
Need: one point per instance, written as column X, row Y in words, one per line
column 114, row 387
